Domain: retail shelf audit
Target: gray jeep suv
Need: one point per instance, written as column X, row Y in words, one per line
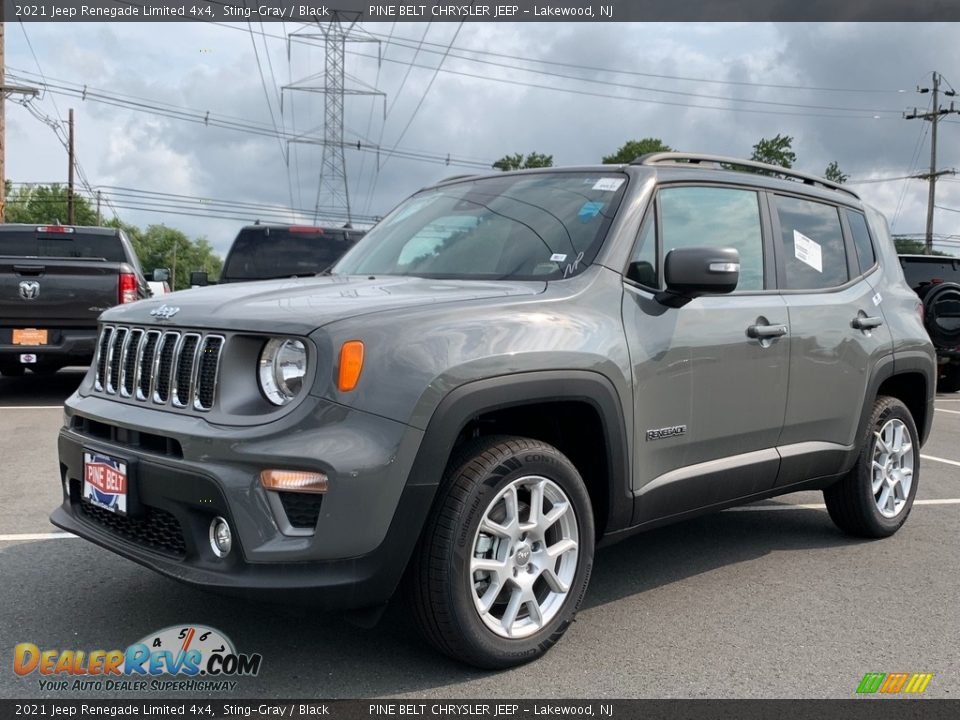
column 505, row 372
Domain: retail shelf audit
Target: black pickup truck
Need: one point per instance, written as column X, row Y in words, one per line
column 936, row 280
column 55, row 280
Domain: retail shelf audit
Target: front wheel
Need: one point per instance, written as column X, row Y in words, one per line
column 874, row 499
column 506, row 556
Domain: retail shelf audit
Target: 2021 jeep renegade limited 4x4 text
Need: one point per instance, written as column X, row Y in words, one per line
column 504, row 372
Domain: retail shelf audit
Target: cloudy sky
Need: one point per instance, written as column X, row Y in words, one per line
column 576, row 91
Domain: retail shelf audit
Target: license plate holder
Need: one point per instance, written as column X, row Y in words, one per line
column 106, row 481
column 30, row 336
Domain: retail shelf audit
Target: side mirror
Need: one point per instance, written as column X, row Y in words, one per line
column 161, row 275
column 198, row 278
column 691, row 272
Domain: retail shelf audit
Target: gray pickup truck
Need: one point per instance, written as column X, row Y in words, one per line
column 504, row 372
column 55, row 280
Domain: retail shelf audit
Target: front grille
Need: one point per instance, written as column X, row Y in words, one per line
column 163, row 368
column 302, row 509
column 156, row 529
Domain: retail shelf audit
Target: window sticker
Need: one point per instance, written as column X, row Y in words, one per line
column 589, row 211
column 608, row 184
column 558, row 257
column 807, row 251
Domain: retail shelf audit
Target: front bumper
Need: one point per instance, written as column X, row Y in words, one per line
column 183, row 472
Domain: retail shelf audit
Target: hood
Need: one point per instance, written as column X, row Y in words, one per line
column 299, row 306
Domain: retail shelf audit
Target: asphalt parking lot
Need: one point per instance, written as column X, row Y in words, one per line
column 764, row 601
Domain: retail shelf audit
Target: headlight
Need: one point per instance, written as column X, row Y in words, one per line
column 282, row 366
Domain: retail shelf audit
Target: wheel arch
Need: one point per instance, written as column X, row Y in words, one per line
column 512, row 404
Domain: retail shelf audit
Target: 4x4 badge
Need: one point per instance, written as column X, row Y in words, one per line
column 164, row 312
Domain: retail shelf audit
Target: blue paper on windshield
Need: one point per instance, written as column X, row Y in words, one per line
column 589, row 211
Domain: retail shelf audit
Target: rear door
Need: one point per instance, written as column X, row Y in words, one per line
column 63, row 279
column 837, row 330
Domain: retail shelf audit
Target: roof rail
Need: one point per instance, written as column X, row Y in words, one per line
column 457, row 177
column 718, row 161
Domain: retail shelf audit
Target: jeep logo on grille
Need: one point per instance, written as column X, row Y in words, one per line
column 29, row 289
column 164, row 312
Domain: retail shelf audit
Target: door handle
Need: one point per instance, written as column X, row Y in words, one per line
column 862, row 322
column 766, row 331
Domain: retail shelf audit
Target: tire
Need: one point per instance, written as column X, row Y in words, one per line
column 11, row 370
column 891, row 439
column 44, row 370
column 445, row 588
column 949, row 380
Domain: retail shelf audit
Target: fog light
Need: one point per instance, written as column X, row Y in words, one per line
column 221, row 539
column 294, row 480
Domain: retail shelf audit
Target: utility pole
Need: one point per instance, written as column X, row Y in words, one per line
column 99, row 220
column 5, row 92
column 934, row 118
column 70, row 203
column 335, row 34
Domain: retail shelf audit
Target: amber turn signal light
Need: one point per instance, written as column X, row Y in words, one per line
column 351, row 363
column 294, row 481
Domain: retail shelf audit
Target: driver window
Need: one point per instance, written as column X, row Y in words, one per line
column 719, row 217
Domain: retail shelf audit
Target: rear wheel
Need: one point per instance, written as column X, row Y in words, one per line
column 506, row 556
column 949, row 379
column 874, row 499
column 11, row 370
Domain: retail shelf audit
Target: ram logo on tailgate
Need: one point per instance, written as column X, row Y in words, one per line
column 29, row 289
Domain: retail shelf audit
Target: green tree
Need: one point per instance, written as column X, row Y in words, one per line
column 518, row 162
column 40, row 204
column 160, row 246
column 632, row 149
column 775, row 151
column 834, row 173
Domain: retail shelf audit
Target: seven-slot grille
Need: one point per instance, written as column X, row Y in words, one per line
column 164, row 367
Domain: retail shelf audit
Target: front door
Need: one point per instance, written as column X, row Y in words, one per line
column 710, row 378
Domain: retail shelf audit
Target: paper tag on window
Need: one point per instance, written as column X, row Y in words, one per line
column 558, row 257
column 609, row 184
column 807, row 251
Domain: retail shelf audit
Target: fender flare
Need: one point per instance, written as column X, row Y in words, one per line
column 475, row 398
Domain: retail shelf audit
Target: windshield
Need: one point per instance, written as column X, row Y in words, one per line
column 264, row 253
column 523, row 227
column 75, row 244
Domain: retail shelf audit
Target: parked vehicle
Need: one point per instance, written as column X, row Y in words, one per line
column 267, row 252
column 54, row 282
column 506, row 371
column 936, row 280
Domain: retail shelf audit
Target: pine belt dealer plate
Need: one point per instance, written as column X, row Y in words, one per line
column 105, row 481
column 29, row 336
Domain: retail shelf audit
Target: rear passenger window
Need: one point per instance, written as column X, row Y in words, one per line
column 715, row 217
column 813, row 244
column 861, row 240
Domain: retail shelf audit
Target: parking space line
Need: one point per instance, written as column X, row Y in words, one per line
column 36, row 536
column 952, row 412
column 940, row 460
column 31, row 407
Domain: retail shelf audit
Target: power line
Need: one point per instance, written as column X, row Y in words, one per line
column 637, row 73
column 867, row 113
column 215, row 120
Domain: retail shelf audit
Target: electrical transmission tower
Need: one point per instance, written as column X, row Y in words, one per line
column 934, row 118
column 333, row 192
